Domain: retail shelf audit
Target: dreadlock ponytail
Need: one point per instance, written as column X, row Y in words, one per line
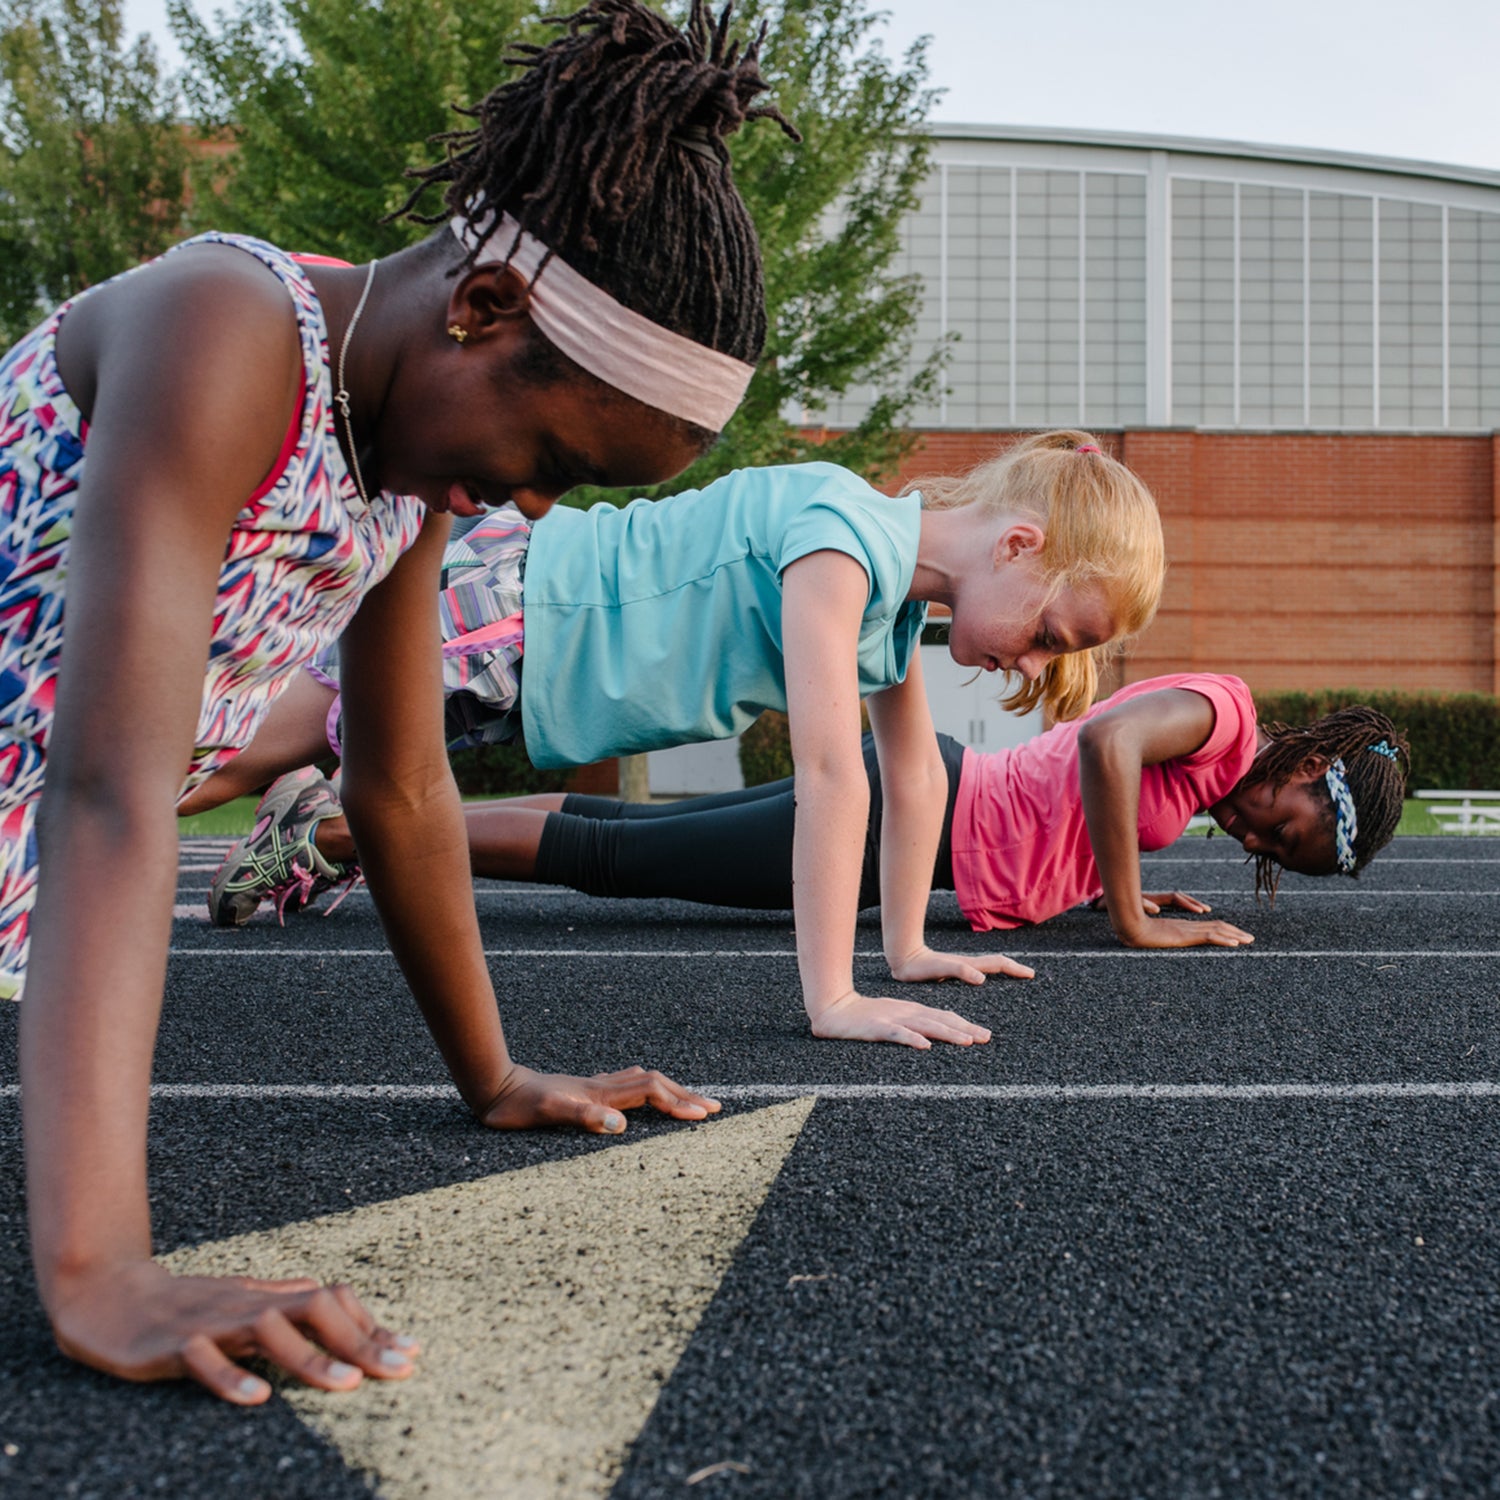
column 610, row 148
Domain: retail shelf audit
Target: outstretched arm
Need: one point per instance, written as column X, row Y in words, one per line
column 404, row 812
column 1112, row 749
column 188, row 374
column 824, row 598
column 914, row 787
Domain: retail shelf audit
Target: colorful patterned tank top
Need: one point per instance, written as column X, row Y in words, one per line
column 301, row 555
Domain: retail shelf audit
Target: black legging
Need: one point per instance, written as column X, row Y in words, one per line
column 730, row 849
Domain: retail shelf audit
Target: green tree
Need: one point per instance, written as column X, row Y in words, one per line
column 829, row 214
column 92, row 153
column 326, row 103
column 841, row 316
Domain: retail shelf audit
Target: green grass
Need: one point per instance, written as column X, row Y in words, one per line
column 1416, row 817
column 234, row 818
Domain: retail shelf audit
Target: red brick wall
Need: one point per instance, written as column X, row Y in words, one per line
column 1312, row 560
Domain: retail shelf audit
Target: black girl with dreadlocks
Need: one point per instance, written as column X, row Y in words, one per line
column 228, row 458
column 1028, row 832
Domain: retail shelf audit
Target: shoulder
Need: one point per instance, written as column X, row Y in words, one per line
column 202, row 327
column 190, row 365
column 204, row 306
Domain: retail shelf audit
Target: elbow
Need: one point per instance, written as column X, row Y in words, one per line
column 1100, row 744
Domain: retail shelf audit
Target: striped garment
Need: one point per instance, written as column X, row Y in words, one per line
column 302, row 554
column 483, row 628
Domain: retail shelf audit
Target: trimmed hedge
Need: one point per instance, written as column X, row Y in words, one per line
column 502, row 771
column 1455, row 737
column 766, row 749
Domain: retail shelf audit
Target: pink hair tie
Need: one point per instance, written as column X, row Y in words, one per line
column 1087, row 448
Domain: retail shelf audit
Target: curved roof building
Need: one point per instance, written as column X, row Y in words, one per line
column 1298, row 350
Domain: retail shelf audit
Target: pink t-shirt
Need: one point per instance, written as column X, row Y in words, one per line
column 1021, row 850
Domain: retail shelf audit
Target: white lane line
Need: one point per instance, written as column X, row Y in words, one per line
column 1297, row 893
column 1237, row 862
column 1041, row 955
column 1003, row 1093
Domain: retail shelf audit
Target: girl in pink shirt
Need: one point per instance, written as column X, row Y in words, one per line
column 1029, row 832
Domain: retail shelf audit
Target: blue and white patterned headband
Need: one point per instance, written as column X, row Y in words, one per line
column 1345, row 818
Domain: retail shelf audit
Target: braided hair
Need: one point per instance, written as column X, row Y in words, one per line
column 609, row 148
column 1377, row 762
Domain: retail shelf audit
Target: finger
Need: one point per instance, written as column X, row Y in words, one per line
column 600, row 1119
column 364, row 1320
column 348, row 1339
column 1226, row 930
column 903, row 1036
column 966, row 1028
column 289, row 1285
column 637, row 1086
column 958, row 1032
column 999, row 964
column 1150, row 907
column 205, row 1362
column 1230, row 939
column 277, row 1340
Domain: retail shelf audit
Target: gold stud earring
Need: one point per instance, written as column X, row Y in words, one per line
column 458, row 333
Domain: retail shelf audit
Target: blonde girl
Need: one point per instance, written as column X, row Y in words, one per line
column 799, row 588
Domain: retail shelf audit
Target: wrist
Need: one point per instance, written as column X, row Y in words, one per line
column 900, row 953
column 61, row 1279
column 824, row 999
column 484, row 1108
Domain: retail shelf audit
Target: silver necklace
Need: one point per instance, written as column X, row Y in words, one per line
column 341, row 396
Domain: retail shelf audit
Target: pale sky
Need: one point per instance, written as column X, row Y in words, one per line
column 1386, row 78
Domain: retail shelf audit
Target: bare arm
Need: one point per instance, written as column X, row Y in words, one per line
column 407, row 820
column 914, row 787
column 1112, row 749
column 823, row 602
column 188, row 373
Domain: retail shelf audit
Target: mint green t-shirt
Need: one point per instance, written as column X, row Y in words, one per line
column 660, row 623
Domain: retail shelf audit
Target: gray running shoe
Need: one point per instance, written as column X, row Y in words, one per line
column 278, row 860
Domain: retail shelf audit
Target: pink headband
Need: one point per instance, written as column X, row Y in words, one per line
column 624, row 349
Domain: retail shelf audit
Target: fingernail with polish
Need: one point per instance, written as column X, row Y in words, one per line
column 338, row 1370
column 250, row 1386
column 614, row 1123
column 393, row 1361
column 404, row 1341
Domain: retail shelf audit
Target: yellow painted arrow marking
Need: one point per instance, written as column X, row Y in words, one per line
column 552, row 1304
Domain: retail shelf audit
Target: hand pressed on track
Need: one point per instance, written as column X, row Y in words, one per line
column 923, row 966
column 527, row 1099
column 1153, row 903
column 136, row 1320
column 864, row 1018
column 1175, row 932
